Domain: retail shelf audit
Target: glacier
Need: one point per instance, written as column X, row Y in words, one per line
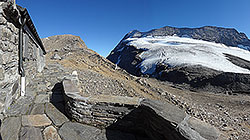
column 176, row 51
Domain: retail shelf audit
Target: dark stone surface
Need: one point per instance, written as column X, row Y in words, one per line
column 150, row 122
column 118, row 135
column 238, row 61
column 77, row 131
column 201, row 78
column 168, row 111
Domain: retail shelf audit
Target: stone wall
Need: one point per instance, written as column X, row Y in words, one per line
column 9, row 77
column 34, row 60
column 9, row 74
column 100, row 111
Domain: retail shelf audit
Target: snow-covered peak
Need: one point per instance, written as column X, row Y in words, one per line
column 177, row 51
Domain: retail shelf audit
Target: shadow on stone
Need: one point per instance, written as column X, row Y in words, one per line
column 57, row 98
column 143, row 123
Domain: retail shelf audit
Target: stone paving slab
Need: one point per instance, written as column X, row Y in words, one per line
column 35, row 120
column 55, row 115
column 77, row 131
column 37, row 109
column 30, row 133
column 21, row 107
column 10, row 128
column 42, row 98
column 50, row 133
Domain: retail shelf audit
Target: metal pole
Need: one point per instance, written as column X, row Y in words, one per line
column 21, row 69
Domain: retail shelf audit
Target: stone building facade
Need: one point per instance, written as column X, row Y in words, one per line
column 21, row 52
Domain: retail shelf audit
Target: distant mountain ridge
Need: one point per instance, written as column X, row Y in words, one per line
column 227, row 36
column 208, row 58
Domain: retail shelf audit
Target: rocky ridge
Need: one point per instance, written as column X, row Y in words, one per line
column 227, row 36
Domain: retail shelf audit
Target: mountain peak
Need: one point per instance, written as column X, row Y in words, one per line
column 227, row 36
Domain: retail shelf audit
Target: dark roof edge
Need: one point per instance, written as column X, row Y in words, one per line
column 25, row 14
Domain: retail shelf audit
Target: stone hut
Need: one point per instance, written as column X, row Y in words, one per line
column 21, row 52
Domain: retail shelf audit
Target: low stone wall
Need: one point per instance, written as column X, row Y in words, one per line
column 154, row 119
column 100, row 111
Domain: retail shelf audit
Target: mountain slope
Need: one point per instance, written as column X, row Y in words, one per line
column 176, row 55
column 99, row 76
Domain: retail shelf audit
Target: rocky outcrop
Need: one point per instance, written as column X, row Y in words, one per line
column 141, row 59
column 200, row 78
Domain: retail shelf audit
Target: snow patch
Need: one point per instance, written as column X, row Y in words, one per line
column 120, row 50
column 176, row 51
column 118, row 60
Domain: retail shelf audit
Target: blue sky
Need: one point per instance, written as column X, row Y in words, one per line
column 103, row 23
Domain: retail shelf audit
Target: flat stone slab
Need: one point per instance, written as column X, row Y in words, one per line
column 55, row 115
column 168, row 111
column 30, row 133
column 35, row 120
column 50, row 133
column 77, row 131
column 37, row 109
column 10, row 128
column 42, row 98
